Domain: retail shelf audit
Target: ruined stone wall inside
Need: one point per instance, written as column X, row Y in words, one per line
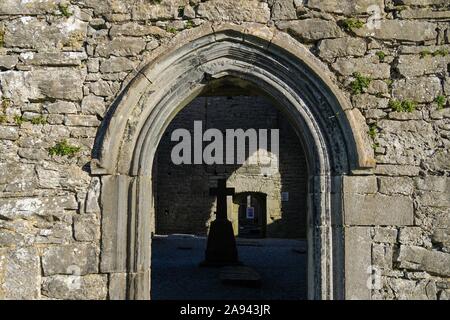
column 183, row 201
column 62, row 63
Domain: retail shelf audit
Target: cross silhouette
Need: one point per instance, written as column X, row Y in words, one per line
column 221, row 192
column 221, row 249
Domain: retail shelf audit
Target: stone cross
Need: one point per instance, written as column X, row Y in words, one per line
column 221, row 192
column 221, row 247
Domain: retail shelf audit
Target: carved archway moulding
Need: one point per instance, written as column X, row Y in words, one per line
column 332, row 133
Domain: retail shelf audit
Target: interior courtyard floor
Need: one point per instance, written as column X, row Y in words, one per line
column 176, row 275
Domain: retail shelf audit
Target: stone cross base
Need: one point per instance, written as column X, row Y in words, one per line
column 221, row 248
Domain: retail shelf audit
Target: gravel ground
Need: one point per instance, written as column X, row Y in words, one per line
column 176, row 274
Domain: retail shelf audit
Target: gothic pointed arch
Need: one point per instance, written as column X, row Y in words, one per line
column 332, row 133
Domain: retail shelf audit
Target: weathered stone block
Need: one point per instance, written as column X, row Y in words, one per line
column 358, row 261
column 440, row 160
column 81, row 120
column 440, row 114
column 234, row 10
column 122, row 47
column 61, row 107
column 26, row 207
column 411, row 235
column 367, row 66
column 378, row 210
column 93, row 65
column 53, row 59
column 330, row 49
column 367, row 101
column 382, row 256
column 412, row 290
column 117, row 64
column 189, row 12
column 447, row 86
column 65, row 259
column 37, row 154
column 407, row 142
column 89, row 287
column 17, row 86
column 113, row 6
column 312, row 29
column 385, row 235
column 93, row 105
column 103, row 88
column 32, row 33
column 377, row 87
column 63, row 84
column 19, row 274
column 59, row 232
column 432, row 183
column 86, row 227
column 416, row 66
column 29, row 7
column 434, row 199
column 114, row 223
column 403, row 116
column 133, row 29
column 14, row 234
column 347, row 7
column 17, row 178
column 9, row 133
column 375, row 114
column 8, row 62
column 48, row 179
column 117, row 286
column 424, row 89
column 418, row 258
column 283, row 10
column 396, row 185
column 423, row 2
column 360, row 184
column 150, row 11
column 402, row 30
column 93, row 196
column 441, row 232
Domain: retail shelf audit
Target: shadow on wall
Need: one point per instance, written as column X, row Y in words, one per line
column 183, row 203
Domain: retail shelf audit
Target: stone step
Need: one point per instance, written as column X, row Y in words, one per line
column 240, row 276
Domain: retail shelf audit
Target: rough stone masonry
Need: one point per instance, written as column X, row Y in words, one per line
column 63, row 64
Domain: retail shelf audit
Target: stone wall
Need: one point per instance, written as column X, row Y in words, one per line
column 62, row 64
column 183, row 201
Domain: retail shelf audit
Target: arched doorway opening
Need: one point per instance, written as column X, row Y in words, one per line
column 330, row 132
column 251, row 214
column 270, row 229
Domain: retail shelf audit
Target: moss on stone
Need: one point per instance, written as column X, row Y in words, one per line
column 373, row 130
column 360, row 83
column 352, row 23
column 19, row 120
column 403, row 106
column 63, row 148
column 428, row 53
column 2, row 38
column 172, row 30
column 440, row 52
column 381, row 55
column 5, row 104
column 64, row 9
column 189, row 24
column 38, row 120
column 441, row 101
